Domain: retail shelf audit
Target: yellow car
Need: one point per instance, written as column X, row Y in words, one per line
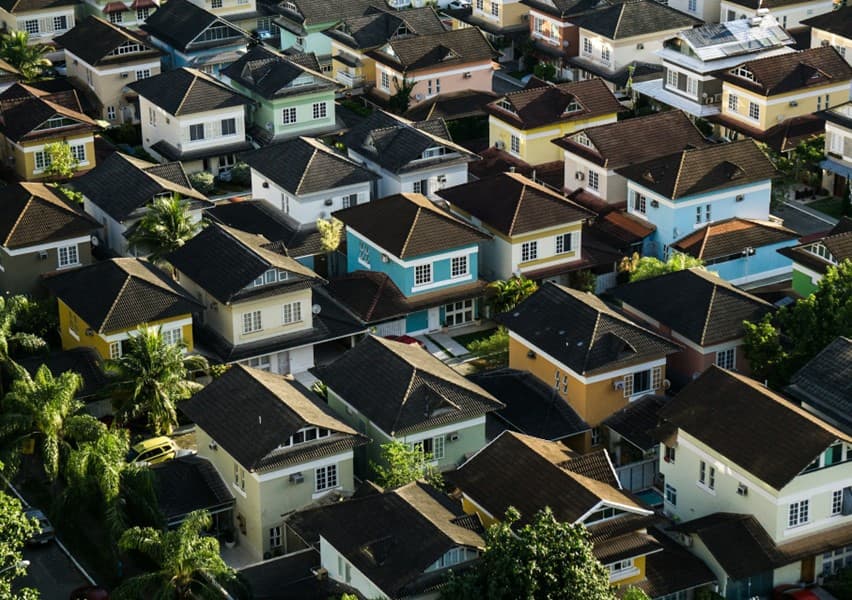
column 153, row 451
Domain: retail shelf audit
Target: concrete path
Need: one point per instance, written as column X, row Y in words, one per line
column 433, row 348
column 449, row 344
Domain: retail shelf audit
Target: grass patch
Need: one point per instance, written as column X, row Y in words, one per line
column 466, row 339
column 831, row 206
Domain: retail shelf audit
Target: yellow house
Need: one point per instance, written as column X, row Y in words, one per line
column 764, row 98
column 103, row 304
column 31, row 118
column 595, row 358
column 524, row 122
column 530, row 473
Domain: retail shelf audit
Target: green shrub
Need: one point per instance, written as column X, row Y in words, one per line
column 203, row 182
column 241, row 174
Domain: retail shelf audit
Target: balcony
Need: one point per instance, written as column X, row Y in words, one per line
column 350, row 80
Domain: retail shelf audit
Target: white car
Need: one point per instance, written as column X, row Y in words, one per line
column 459, row 4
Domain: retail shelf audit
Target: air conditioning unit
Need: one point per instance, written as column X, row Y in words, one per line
column 265, row 185
column 618, row 384
column 499, row 144
column 825, row 43
column 453, row 437
column 329, row 201
column 442, row 179
column 418, row 96
column 297, row 478
column 640, row 46
column 525, row 17
column 742, row 490
column 125, row 75
column 793, row 103
column 579, row 176
column 740, row 198
column 467, row 75
column 42, row 254
column 655, row 204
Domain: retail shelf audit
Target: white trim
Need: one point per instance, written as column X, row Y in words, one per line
column 439, row 74
column 125, row 335
column 550, row 133
column 477, row 505
column 452, row 427
column 441, row 283
column 307, row 466
column 609, row 503
column 762, row 275
column 468, row 251
column 652, row 195
column 73, row 334
column 50, row 246
column 799, row 95
column 128, row 67
column 815, row 277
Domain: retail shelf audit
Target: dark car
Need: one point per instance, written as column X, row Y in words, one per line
column 45, row 531
column 89, row 592
column 405, row 339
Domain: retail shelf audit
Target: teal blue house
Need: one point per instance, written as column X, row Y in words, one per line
column 412, row 267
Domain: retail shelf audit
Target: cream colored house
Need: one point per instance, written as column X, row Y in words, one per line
column 43, row 20
column 790, row 13
column 120, row 57
column 278, row 450
column 833, row 29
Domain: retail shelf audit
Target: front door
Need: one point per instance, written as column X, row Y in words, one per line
column 808, row 569
column 434, row 319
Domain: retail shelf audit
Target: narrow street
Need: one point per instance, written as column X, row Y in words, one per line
column 51, row 572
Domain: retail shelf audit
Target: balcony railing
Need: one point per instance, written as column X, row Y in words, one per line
column 350, row 80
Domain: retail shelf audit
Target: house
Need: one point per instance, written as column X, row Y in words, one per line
column 409, row 157
column 620, row 43
column 307, row 180
column 261, row 310
column 592, row 155
column 245, row 14
column 534, row 231
column 824, row 384
column 691, row 188
column 790, row 14
column 390, row 390
column 102, row 304
column 103, row 58
column 406, row 553
column 530, row 473
column 356, row 35
column 691, row 58
column 292, row 576
column 433, row 64
column 126, row 14
column 141, row 183
column 522, row 123
column 418, row 251
column 832, row 29
column 756, row 521
column 291, row 97
column 84, row 361
column 503, row 22
column 837, row 166
column 813, row 256
column 32, row 118
column 189, row 483
column 602, row 359
column 760, row 97
column 706, row 10
column 9, row 75
column 41, row 231
column 193, row 37
column 191, row 118
column 278, row 446
column 43, row 20
column 700, row 311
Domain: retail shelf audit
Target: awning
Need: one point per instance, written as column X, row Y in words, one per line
column 144, row 4
column 836, row 167
column 113, row 7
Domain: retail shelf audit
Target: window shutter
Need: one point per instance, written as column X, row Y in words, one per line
column 847, row 501
column 628, row 385
column 656, row 378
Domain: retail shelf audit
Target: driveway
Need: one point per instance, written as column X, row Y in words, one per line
column 51, row 572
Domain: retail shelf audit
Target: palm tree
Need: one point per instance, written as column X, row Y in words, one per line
column 189, row 564
column 29, row 59
column 44, row 409
column 165, row 227
column 11, row 307
column 98, row 471
column 508, row 293
column 151, row 377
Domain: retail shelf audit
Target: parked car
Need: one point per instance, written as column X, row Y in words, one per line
column 45, row 531
column 89, row 592
column 793, row 592
column 153, row 451
column 405, row 339
column 459, row 4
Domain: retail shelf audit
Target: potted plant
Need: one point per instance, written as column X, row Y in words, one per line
column 229, row 538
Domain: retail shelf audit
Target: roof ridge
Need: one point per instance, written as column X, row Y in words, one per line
column 407, row 394
column 379, row 291
column 115, row 300
column 679, row 173
column 307, row 168
column 707, row 315
column 410, row 231
column 618, row 21
column 20, row 217
column 518, row 208
column 188, row 90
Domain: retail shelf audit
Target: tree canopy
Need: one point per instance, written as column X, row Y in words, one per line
column 30, row 59
column 506, row 294
column 646, row 267
column 61, row 162
column 15, row 529
column 166, row 226
column 402, row 464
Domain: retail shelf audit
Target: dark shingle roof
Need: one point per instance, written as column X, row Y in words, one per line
column 825, row 383
column 83, row 360
column 186, row 484
column 33, row 213
column 187, row 91
column 140, row 182
column 730, row 237
column 120, row 294
column 311, row 12
column 513, row 204
column 445, row 49
column 93, row 39
column 252, row 413
column 179, row 22
column 635, row 140
column 452, row 106
column 564, row 8
column 637, row 420
column 365, row 32
column 698, row 170
column 838, row 241
column 304, row 166
column 270, row 74
column 403, row 388
column 721, row 408
column 539, row 106
column 293, row 577
column 786, row 73
column 23, row 6
column 26, row 107
column 240, row 258
column 390, row 537
column 633, row 18
column 530, row 473
column 408, row 225
column 696, row 304
column 673, row 570
column 582, row 332
column 838, row 22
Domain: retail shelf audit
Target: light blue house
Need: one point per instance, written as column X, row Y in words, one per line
column 412, row 267
column 688, row 190
column 193, row 37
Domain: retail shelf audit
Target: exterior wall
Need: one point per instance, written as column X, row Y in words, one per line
column 553, row 32
column 108, row 84
column 125, row 18
column 765, row 263
column 535, row 147
column 706, row 10
column 48, row 19
column 838, row 142
column 314, row 41
column 340, row 569
column 21, row 269
column 308, row 208
column 431, row 82
column 22, row 156
column 352, row 76
column 174, row 58
column 509, row 12
column 789, row 17
column 228, row 7
column 676, row 219
column 612, row 187
column 820, row 37
column 441, row 176
column 642, row 48
column 805, row 281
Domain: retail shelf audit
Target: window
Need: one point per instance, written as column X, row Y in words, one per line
column 640, row 203
column 529, row 251
column 275, row 537
column 78, row 151
column 239, row 477
column 196, row 132
column 385, row 84
column 669, row 455
column 350, row 200
column 173, row 336
column 142, row 14
column 152, row 116
column 596, row 436
column 31, row 26
column 111, row 113
column 587, row 45
column 820, row 104
column 60, row 23
column 621, row 568
column 726, row 358
column 692, row 6
column 479, row 4
column 433, row 446
column 115, row 350
column 421, row 187
column 799, row 513
column 291, row 313
column 706, row 475
column 671, row 495
column 707, row 213
column 697, row 215
column 753, row 111
column 429, row 87
column 68, row 256
column 515, row 144
column 733, row 103
column 563, row 243
column 594, row 180
column 116, row 17
column 364, row 254
column 458, row 313
column 605, row 53
column 422, row 274
column 215, row 4
column 326, row 478
column 642, row 381
column 836, row 502
column 458, row 266
column 289, row 116
column 251, row 322
column 42, row 160
column 495, row 8
column 229, row 126
column 832, row 562
column 671, row 78
column 320, row 110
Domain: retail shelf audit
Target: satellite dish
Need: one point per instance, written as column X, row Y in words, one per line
column 316, row 309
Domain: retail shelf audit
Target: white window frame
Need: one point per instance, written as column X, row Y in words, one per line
column 68, row 256
column 529, row 251
column 798, row 513
column 319, row 110
column 594, row 179
column 754, row 111
column 328, row 476
column 364, row 254
column 116, row 17
column 60, row 23
column 275, row 537
column 733, row 103
column 459, row 312
column 514, row 144
column 252, row 321
column 422, row 274
column 110, row 113
column 459, row 267
column 114, row 350
column 173, row 336
column 671, row 494
column 836, row 503
column 727, row 359
column 288, row 115
column 230, row 121
column 561, row 246
column 78, row 151
column 587, row 46
column 31, row 26
column 291, row 313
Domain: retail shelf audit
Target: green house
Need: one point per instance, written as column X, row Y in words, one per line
column 812, row 258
